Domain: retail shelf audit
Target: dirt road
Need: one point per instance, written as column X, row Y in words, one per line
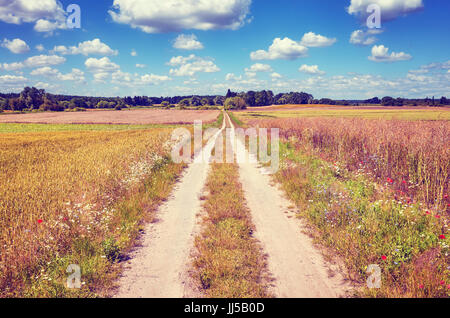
column 297, row 266
column 158, row 268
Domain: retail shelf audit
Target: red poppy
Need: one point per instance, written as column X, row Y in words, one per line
column 446, row 196
column 428, row 213
column 448, row 286
column 442, row 237
column 40, row 221
column 442, row 283
column 389, row 180
column 383, row 257
column 437, row 216
column 404, row 182
column 421, row 286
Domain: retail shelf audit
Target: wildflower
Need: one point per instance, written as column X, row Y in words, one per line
column 40, row 221
column 404, row 182
column 442, row 282
column 383, row 257
column 427, row 213
column 442, row 237
column 421, row 286
column 389, row 180
column 437, row 216
column 446, row 196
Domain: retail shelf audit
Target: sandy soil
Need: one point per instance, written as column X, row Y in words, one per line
column 140, row 116
column 159, row 267
column 296, row 265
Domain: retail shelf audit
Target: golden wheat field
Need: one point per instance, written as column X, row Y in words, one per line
column 58, row 196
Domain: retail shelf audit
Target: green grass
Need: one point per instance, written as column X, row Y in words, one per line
column 406, row 114
column 366, row 224
column 27, row 128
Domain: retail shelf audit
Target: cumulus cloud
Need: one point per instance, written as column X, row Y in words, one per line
column 275, row 76
column 380, row 53
column 35, row 62
column 133, row 53
column 311, row 39
column 131, row 80
column 390, row 9
column 40, row 47
column 187, row 42
column 311, row 69
column 100, row 65
column 155, row 16
column 190, row 65
column 75, row 75
column 86, row 48
column 285, row 49
column 258, row 67
column 20, row 11
column 12, row 79
column 364, row 38
column 141, row 65
column 16, row 46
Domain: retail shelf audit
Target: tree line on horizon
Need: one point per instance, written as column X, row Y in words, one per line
column 33, row 99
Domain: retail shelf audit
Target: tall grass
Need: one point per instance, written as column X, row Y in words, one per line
column 411, row 157
column 68, row 198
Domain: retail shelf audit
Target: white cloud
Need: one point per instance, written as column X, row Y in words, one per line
column 103, row 65
column 359, row 37
column 390, row 9
column 311, row 39
column 285, row 49
column 380, row 53
column 86, row 48
column 155, row 16
column 35, row 62
column 258, row 67
column 12, row 79
column 154, row 79
column 190, row 65
column 48, row 14
column 232, row 77
column 16, row 46
column 75, row 75
column 133, row 53
column 311, row 69
column 48, row 26
column 40, row 47
column 141, row 65
column 187, row 42
column 276, row 76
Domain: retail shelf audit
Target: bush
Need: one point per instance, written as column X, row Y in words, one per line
column 235, row 103
column 111, row 249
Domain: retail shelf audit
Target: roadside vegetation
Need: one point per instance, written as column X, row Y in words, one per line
column 78, row 197
column 229, row 262
column 376, row 192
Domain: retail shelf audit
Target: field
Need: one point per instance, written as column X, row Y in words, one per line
column 77, row 197
column 125, row 117
column 371, row 185
column 299, row 111
column 374, row 191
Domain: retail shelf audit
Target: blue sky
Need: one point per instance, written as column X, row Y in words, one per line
column 323, row 47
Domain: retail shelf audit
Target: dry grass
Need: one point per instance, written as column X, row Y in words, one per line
column 75, row 198
column 229, row 262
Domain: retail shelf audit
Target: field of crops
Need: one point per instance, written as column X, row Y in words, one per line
column 416, row 113
column 376, row 192
column 76, row 197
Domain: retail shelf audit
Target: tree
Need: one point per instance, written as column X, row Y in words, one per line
column 219, row 100
column 236, row 103
column 184, row 102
